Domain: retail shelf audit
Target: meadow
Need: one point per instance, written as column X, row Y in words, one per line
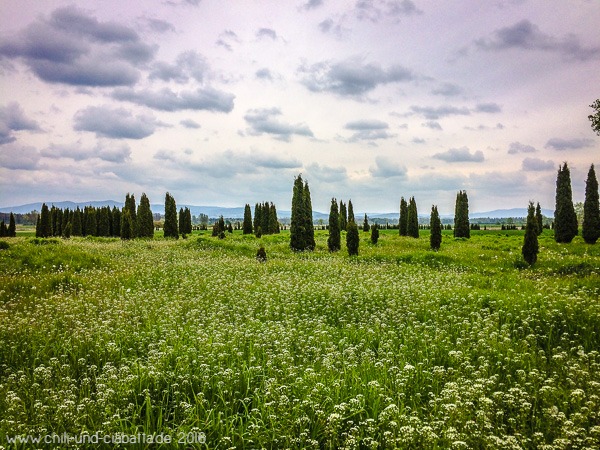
column 400, row 347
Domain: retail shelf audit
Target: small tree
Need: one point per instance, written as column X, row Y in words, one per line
column 261, row 254
column 374, row 234
column 539, row 218
column 350, row 212
column 530, row 245
column 435, row 238
column 352, row 239
column 595, row 118
column 366, row 224
column 334, row 239
column 12, row 227
column 591, row 210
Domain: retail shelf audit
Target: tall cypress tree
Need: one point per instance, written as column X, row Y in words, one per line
column 308, row 219
column 103, row 222
column 273, row 221
column 247, row 227
column 12, row 227
column 126, row 224
column 351, row 212
column 565, row 219
column 116, row 221
column 343, row 216
column 334, row 239
column 352, row 239
column 76, row 227
column 413, row 219
column 188, row 220
column 265, row 218
column 130, row 205
column 38, row 226
column 403, row 220
column 539, row 218
column 435, row 225
column 366, row 223
column 45, row 222
column 530, row 244
column 462, row 228
column 257, row 217
column 374, row 234
column 145, row 220
column 181, row 222
column 297, row 221
column 170, row 226
column 590, row 229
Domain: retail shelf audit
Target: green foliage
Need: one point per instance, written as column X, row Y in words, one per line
column 4, row 245
column 170, row 225
column 45, row 226
column 366, row 224
column 350, row 212
column 343, row 216
column 595, row 118
column 590, row 230
column 127, row 231
column 261, row 254
column 435, row 226
column 374, row 234
column 247, row 226
column 352, row 239
column 302, row 232
column 412, row 228
column 12, row 228
column 530, row 248
column 539, row 219
column 145, row 219
column 403, row 220
column 565, row 219
column 334, row 240
column 462, row 228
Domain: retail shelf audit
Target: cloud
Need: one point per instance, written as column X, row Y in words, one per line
column 517, row 147
column 537, row 165
column 351, row 77
column 264, row 74
column 327, row 174
column 208, row 99
column 569, row 144
column 19, row 157
column 74, row 48
column 158, row 25
column 488, row 108
column 116, row 123
column 368, row 130
column 263, row 121
column 377, row 10
column 448, row 90
column 270, row 161
column 268, row 33
column 432, row 124
column 362, row 125
column 226, row 40
column 312, row 4
column 462, row 154
column 527, row 36
column 189, row 64
column 189, row 123
column 12, row 118
column 433, row 113
column 105, row 151
column 386, row 168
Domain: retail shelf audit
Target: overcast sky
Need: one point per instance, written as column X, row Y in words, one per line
column 224, row 102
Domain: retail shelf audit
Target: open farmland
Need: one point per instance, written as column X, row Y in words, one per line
column 400, row 347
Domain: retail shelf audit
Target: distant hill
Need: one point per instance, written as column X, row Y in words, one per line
column 238, row 212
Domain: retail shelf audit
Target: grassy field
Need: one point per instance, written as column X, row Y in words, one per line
column 400, row 347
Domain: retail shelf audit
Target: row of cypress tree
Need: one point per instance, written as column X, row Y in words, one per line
column 11, row 229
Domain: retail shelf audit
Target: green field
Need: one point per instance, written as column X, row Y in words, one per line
column 400, row 347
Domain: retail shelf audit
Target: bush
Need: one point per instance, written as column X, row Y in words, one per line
column 261, row 254
column 4, row 245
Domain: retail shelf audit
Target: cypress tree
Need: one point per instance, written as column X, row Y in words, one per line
column 126, row 224
column 188, row 220
column 38, row 226
column 435, row 224
column 565, row 219
column 265, row 218
column 343, row 216
column 334, row 239
column 130, row 205
column 12, row 227
column 413, row 219
column 403, row 220
column 66, row 230
column 352, row 239
column 247, row 227
column 308, row 219
column 257, row 216
column 103, row 221
column 181, row 222
column 350, row 212
column 530, row 244
column 3, row 229
column 366, row 224
column 539, row 218
column 76, row 228
column 462, row 228
column 116, row 222
column 297, row 222
column 145, row 220
column 273, row 222
column 170, row 226
column 591, row 210
column 374, row 234
column 45, row 222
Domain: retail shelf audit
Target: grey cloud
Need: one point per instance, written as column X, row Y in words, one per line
column 488, row 108
column 312, row 4
column 264, row 74
column 12, row 118
column 114, row 123
column 448, row 90
column 327, row 174
column 189, row 123
column 209, row 99
column 264, row 121
column 266, row 33
column 462, row 154
column 525, row 35
column 226, row 39
column 569, row 144
column 351, row 77
column 517, row 147
column 274, row 161
column 433, row 113
column 159, row 25
column 386, row 168
column 74, row 48
column 418, row 141
column 19, row 158
column 537, row 165
column 190, row 64
column 361, row 125
column 376, row 10
column 432, row 124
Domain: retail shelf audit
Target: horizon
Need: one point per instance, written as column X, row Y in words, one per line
column 369, row 100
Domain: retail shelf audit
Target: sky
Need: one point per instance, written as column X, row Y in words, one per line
column 225, row 102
